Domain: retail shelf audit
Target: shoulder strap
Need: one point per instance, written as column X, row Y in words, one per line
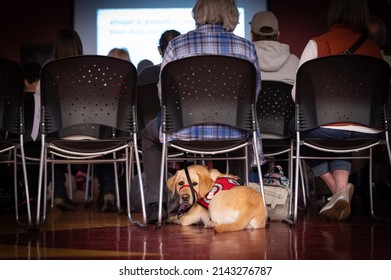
column 356, row 45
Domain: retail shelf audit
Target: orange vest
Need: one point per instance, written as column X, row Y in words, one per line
column 340, row 38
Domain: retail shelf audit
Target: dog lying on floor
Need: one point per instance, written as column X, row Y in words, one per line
column 231, row 207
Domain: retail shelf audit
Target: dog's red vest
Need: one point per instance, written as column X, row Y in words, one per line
column 221, row 184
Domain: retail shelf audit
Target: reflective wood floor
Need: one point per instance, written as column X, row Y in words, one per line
column 93, row 235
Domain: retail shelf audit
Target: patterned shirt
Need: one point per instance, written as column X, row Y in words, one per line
column 204, row 40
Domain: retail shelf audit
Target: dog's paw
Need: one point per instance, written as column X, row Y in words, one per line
column 173, row 220
column 209, row 224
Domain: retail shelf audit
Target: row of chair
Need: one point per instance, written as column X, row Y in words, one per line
column 96, row 96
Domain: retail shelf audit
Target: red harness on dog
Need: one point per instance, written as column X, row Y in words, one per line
column 221, row 184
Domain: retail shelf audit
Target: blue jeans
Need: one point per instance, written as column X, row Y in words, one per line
column 322, row 166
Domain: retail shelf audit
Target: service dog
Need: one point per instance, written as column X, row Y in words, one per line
column 218, row 201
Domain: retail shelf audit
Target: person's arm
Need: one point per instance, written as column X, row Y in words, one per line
column 310, row 52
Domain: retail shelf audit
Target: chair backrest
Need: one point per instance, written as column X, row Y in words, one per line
column 209, row 89
column 342, row 88
column 89, row 92
column 275, row 108
column 148, row 104
column 11, row 96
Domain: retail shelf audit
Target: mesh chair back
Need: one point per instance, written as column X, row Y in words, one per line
column 11, row 95
column 275, row 108
column 88, row 92
column 148, row 105
column 208, row 89
column 342, row 88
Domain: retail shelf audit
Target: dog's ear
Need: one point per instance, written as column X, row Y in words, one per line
column 205, row 182
column 171, row 182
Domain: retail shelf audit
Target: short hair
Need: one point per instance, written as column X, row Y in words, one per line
column 224, row 12
column 377, row 31
column 166, row 37
column 67, row 43
column 119, row 53
column 354, row 13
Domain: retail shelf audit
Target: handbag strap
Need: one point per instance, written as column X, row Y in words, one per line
column 356, row 45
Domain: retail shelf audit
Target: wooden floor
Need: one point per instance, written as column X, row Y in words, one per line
column 90, row 234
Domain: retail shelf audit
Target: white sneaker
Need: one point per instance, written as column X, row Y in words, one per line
column 346, row 212
column 338, row 202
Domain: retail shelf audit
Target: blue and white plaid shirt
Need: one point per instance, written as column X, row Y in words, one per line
column 211, row 39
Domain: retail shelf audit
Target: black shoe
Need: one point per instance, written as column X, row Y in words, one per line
column 153, row 213
column 64, row 204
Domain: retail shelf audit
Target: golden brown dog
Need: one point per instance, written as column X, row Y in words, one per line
column 238, row 208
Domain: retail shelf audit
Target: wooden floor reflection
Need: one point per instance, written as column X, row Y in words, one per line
column 91, row 234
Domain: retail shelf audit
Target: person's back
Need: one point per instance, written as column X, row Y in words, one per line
column 348, row 20
column 275, row 59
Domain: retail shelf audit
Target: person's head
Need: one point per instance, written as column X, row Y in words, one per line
column 166, row 37
column 32, row 75
column 264, row 26
column 67, row 43
column 377, row 31
column 143, row 64
column 354, row 13
column 223, row 12
column 119, row 53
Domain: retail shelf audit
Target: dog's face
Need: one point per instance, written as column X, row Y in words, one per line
column 201, row 180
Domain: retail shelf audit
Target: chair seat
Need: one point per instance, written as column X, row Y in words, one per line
column 209, row 145
column 4, row 144
column 342, row 144
column 274, row 146
column 88, row 146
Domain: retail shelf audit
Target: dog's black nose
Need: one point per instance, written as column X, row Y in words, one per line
column 185, row 197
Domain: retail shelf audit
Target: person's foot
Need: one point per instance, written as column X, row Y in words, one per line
column 338, row 202
column 153, row 213
column 109, row 203
column 346, row 212
column 64, row 204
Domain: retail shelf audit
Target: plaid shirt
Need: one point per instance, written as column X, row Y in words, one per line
column 211, row 39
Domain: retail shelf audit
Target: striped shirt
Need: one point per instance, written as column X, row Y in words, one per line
column 204, row 40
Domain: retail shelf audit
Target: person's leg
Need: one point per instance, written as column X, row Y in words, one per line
column 151, row 157
column 106, row 179
column 61, row 199
column 328, row 178
column 338, row 208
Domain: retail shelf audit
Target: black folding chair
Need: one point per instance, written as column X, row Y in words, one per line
column 89, row 115
column 12, row 128
column 341, row 89
column 209, row 89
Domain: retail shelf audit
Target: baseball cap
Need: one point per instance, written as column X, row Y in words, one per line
column 262, row 19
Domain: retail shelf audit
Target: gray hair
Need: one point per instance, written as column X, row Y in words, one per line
column 224, row 12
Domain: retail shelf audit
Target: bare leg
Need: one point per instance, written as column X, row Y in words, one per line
column 341, row 178
column 330, row 181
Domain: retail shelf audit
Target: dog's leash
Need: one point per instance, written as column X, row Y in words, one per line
column 187, row 207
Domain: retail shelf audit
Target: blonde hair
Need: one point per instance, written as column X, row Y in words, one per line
column 224, row 12
column 119, row 53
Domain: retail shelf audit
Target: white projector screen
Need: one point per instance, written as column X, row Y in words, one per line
column 138, row 24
